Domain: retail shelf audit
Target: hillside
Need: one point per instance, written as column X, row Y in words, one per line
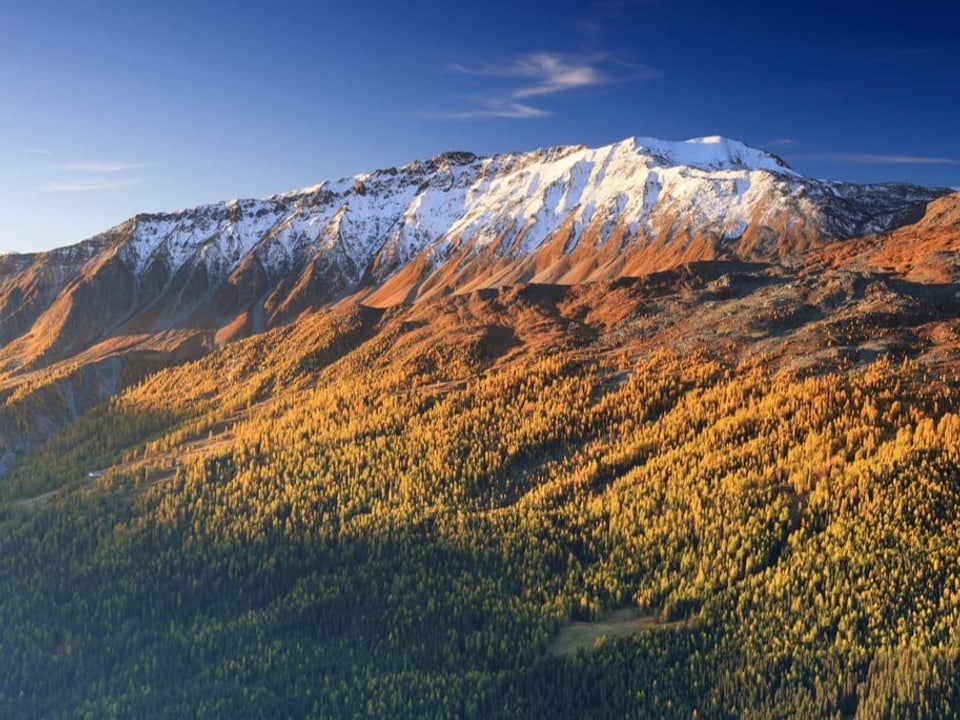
column 658, row 429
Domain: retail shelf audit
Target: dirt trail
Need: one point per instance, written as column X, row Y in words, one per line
column 161, row 466
column 36, row 501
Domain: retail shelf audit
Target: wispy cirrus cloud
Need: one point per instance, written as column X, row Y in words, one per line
column 541, row 74
column 497, row 108
column 883, row 159
column 36, row 151
column 88, row 186
column 94, row 176
column 101, row 167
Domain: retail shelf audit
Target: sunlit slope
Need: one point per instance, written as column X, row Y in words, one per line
column 393, row 513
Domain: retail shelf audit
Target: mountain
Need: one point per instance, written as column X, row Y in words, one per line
column 457, row 222
column 651, row 430
column 172, row 286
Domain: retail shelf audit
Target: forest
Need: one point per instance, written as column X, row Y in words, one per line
column 362, row 515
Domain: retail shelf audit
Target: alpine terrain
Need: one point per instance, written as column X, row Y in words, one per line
column 657, row 429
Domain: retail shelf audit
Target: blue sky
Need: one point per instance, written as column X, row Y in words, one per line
column 112, row 108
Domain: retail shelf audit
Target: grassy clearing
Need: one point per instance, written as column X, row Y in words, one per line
column 616, row 624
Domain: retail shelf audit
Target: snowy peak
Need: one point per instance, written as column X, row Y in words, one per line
column 644, row 190
column 452, row 194
column 711, row 153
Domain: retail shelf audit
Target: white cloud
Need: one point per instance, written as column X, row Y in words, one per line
column 93, row 176
column 79, row 187
column 90, row 186
column 499, row 109
column 545, row 73
column 536, row 75
column 36, row 151
column 100, row 167
column 878, row 159
column 874, row 159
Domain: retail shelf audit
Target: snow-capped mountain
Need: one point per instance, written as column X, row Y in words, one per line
column 651, row 190
column 449, row 224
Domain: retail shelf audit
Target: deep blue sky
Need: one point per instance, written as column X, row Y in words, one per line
column 109, row 108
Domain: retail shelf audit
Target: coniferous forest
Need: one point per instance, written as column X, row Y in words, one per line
column 369, row 514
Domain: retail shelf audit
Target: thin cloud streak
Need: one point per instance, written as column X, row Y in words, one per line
column 542, row 74
column 548, row 73
column 92, row 186
column 101, row 167
column 500, row 110
column 880, row 159
column 99, row 176
column 36, row 151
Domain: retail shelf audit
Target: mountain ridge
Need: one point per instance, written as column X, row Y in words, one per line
column 259, row 262
column 167, row 287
